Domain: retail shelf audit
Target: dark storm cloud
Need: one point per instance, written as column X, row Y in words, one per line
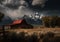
column 39, row 2
column 14, row 4
column 46, row 4
column 17, row 8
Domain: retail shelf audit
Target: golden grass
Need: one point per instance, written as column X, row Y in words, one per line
column 40, row 30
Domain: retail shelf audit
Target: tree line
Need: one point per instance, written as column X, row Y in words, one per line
column 51, row 21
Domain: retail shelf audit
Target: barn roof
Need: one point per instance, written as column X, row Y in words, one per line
column 17, row 21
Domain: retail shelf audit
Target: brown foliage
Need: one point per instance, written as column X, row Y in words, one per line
column 51, row 21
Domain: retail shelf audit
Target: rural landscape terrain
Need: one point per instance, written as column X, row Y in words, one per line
column 29, row 20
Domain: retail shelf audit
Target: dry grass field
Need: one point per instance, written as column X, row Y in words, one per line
column 40, row 30
column 16, row 35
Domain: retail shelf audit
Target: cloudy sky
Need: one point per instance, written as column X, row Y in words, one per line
column 17, row 8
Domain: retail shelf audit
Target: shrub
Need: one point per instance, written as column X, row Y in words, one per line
column 41, row 36
column 34, row 37
column 57, row 39
column 49, row 34
column 48, row 37
column 21, row 37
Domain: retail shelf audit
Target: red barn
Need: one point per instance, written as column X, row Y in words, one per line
column 19, row 24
